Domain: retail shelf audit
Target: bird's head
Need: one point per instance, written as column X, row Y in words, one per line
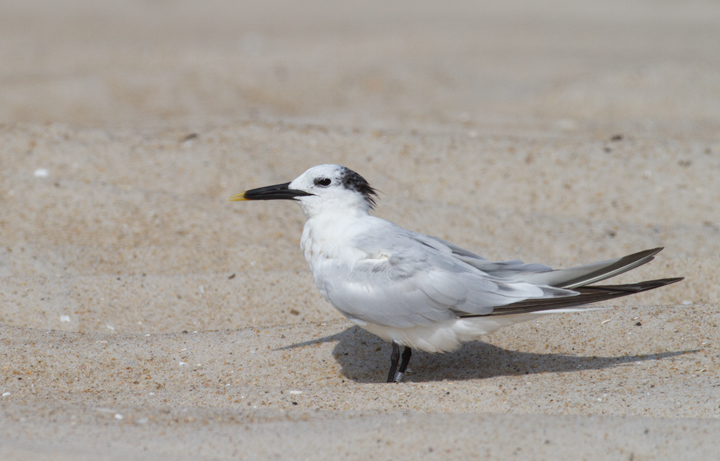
column 322, row 188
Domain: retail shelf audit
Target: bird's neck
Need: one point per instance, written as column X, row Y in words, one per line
column 326, row 233
column 334, row 208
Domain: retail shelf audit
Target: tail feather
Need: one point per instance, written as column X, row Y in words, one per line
column 586, row 295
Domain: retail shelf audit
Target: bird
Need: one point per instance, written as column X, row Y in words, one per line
column 418, row 291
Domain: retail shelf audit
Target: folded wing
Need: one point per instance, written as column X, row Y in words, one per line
column 412, row 280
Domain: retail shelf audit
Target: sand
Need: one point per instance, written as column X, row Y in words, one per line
column 143, row 316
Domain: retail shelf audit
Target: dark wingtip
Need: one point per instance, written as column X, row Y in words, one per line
column 641, row 286
column 646, row 253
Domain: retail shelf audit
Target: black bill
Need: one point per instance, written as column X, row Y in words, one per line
column 276, row 192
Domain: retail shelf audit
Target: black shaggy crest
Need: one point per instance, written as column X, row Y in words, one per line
column 354, row 181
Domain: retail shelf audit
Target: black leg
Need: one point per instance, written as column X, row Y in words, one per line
column 394, row 357
column 407, row 352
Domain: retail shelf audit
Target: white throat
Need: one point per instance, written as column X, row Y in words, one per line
column 340, row 203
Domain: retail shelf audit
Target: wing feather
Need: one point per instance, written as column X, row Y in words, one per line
column 419, row 281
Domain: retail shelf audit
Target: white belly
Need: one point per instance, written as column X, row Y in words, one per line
column 448, row 335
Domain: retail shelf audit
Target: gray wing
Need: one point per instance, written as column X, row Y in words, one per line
column 541, row 274
column 501, row 269
column 408, row 279
column 576, row 277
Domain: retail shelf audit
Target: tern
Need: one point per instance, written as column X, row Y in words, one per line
column 421, row 292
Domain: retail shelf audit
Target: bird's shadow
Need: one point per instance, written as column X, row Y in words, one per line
column 365, row 358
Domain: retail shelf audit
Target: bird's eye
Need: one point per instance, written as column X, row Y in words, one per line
column 322, row 182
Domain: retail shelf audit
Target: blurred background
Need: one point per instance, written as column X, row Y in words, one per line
column 485, row 65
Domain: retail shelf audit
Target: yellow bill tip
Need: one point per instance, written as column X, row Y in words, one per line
column 237, row 197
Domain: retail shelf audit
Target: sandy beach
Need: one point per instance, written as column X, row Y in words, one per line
column 143, row 316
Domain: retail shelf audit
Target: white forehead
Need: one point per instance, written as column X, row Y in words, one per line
column 323, row 171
